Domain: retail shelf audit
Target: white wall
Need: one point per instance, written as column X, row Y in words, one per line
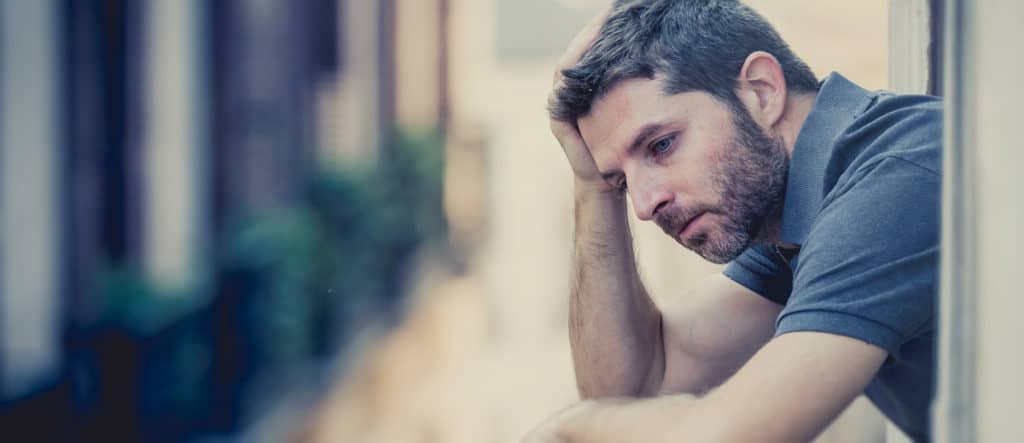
column 175, row 142
column 980, row 384
column 909, row 40
column 29, row 190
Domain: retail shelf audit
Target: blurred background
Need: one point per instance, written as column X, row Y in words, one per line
column 308, row 221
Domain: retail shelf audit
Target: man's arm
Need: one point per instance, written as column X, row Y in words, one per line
column 615, row 329
column 788, row 392
column 711, row 333
column 623, row 345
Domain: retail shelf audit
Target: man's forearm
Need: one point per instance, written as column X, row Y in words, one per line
column 614, row 326
column 651, row 420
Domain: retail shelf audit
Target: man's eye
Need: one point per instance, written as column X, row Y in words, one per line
column 662, row 146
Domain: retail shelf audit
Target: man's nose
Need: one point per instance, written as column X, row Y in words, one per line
column 648, row 199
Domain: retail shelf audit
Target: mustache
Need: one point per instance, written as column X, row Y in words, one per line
column 672, row 219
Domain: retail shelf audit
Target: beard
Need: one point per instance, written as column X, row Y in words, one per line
column 750, row 177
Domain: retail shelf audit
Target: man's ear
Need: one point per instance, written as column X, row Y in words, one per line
column 761, row 86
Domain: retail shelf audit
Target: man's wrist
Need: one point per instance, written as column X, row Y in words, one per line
column 576, row 424
column 596, row 421
column 584, row 190
column 620, row 418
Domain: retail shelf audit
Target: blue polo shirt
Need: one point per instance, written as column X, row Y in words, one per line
column 862, row 202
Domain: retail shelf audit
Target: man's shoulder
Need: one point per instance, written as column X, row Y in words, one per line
column 884, row 177
column 848, row 139
column 905, row 127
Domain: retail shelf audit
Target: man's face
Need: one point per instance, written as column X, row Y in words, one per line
column 708, row 176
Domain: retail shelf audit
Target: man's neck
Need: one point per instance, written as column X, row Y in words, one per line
column 771, row 232
column 798, row 107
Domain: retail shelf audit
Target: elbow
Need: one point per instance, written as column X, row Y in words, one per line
column 632, row 381
column 595, row 391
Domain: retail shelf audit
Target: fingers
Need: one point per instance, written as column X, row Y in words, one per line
column 576, row 151
column 581, row 43
column 579, row 46
column 567, row 135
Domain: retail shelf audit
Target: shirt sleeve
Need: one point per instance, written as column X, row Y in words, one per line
column 762, row 270
column 868, row 266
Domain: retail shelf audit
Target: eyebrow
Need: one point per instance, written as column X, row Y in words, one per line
column 642, row 135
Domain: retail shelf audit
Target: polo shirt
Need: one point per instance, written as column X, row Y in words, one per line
column 862, row 202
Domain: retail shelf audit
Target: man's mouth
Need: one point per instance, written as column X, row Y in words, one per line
column 681, row 224
column 688, row 227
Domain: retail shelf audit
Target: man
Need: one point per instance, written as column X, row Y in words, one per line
column 822, row 198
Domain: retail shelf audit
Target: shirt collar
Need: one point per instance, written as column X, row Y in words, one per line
column 838, row 103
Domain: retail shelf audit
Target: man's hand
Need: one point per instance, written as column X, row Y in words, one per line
column 580, row 159
column 619, row 420
column 556, row 428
